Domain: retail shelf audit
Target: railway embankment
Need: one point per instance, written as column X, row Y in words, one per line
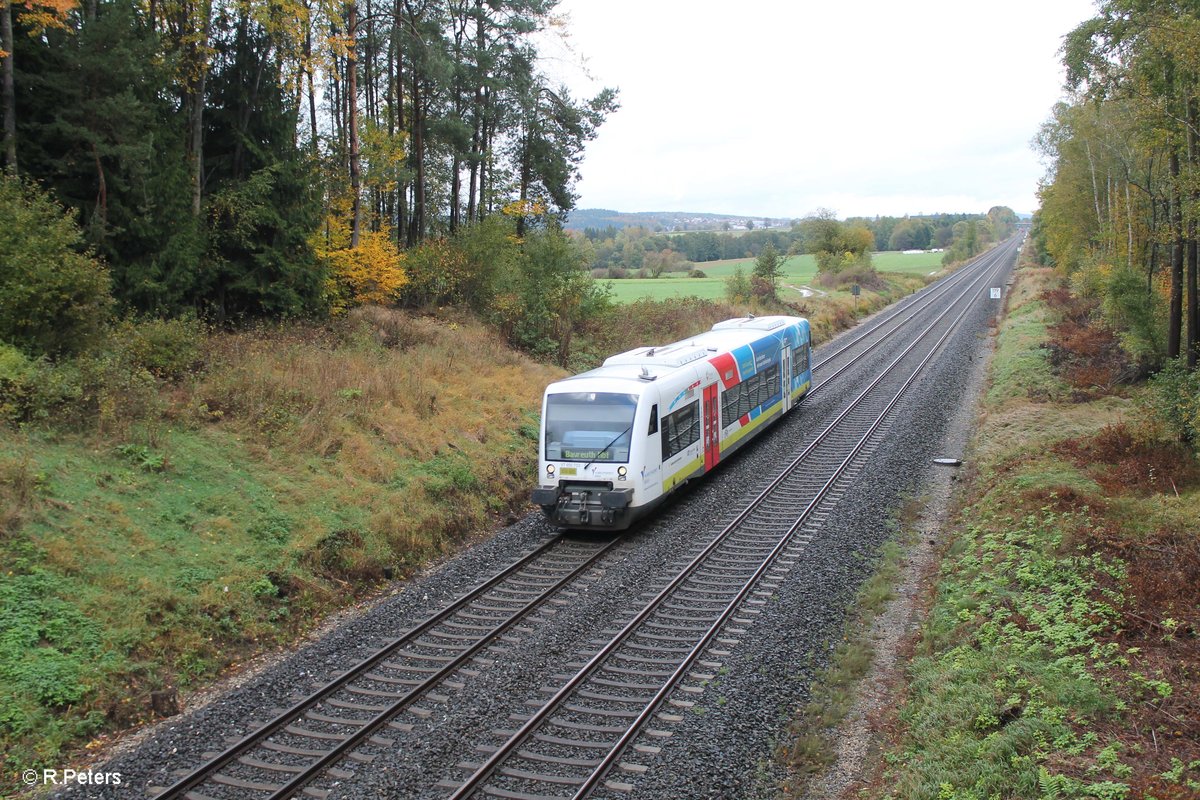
column 197, row 519
column 1057, row 646
column 189, row 503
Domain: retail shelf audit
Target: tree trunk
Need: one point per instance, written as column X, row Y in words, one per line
column 9, row 93
column 101, row 192
column 526, row 172
column 487, row 168
column 196, row 135
column 477, row 115
column 312, row 93
column 416, row 225
column 352, row 123
column 1095, row 186
column 1128, row 228
column 1193, row 307
column 1175, row 308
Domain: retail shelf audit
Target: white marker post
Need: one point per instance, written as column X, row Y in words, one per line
column 995, row 292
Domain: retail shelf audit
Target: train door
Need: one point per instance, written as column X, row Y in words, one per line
column 785, row 367
column 712, row 427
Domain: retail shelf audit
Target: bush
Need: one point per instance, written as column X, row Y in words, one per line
column 54, row 296
column 737, row 286
column 1175, row 401
column 166, row 348
column 1132, row 310
column 850, row 274
column 697, row 273
column 116, row 390
column 33, row 389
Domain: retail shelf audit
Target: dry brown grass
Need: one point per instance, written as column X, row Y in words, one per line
column 322, row 394
column 1017, row 425
column 18, row 493
column 390, row 404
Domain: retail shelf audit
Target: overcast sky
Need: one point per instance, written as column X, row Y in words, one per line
column 775, row 108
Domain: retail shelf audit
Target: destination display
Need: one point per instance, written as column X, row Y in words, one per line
column 586, row 455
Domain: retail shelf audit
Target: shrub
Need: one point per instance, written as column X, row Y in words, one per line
column 33, row 389
column 116, row 390
column 167, row 349
column 737, row 287
column 373, row 272
column 1175, row 401
column 697, row 273
column 850, row 273
column 1132, row 310
column 439, row 272
column 54, row 296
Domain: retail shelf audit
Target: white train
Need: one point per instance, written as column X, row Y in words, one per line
column 617, row 440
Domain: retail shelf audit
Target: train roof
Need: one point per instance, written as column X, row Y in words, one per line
column 644, row 364
column 724, row 336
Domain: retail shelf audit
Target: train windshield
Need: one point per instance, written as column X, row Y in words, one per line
column 589, row 426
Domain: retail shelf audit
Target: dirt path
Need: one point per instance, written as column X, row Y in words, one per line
column 862, row 737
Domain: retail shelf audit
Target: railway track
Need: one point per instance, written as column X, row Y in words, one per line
column 283, row 755
column 906, row 312
column 323, row 735
column 576, row 738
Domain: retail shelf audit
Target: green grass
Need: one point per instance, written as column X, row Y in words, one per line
column 797, row 271
column 1021, row 369
column 913, row 263
column 1019, row 682
column 628, row 290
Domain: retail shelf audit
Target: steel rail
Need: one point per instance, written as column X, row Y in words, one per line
column 903, row 322
column 205, row 771
column 282, row 720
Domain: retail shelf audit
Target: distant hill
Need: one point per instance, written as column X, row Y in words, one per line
column 666, row 221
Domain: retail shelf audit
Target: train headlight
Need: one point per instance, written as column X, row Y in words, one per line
column 622, row 472
column 549, row 469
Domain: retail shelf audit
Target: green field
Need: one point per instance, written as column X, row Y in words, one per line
column 797, row 271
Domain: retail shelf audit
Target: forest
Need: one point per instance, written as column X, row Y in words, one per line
column 1120, row 206
column 273, row 158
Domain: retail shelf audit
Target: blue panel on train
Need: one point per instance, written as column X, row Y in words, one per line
column 745, row 361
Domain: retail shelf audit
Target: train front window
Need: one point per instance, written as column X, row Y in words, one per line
column 589, row 426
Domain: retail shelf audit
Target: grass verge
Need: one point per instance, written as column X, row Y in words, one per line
column 809, row 749
column 1060, row 656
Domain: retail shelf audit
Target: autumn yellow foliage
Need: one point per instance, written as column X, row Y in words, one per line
column 372, row 273
column 524, row 208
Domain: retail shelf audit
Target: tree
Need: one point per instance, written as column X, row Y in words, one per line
column 1143, row 53
column 835, row 245
column 910, row 234
column 553, row 132
column 54, row 296
column 769, row 268
column 737, row 286
column 38, row 16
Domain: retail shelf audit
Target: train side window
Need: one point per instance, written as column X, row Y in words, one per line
column 653, row 420
column 680, row 430
column 729, row 405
